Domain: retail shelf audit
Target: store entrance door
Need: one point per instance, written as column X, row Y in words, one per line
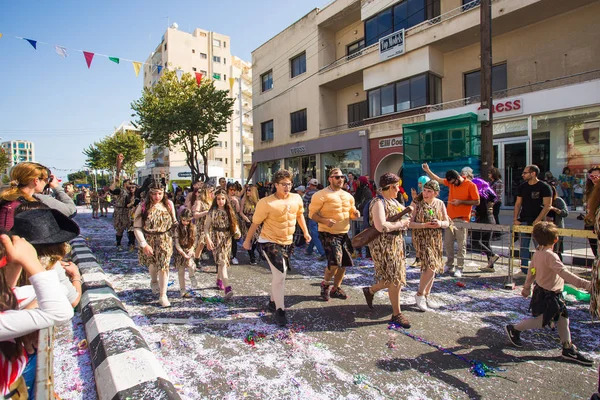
column 511, row 157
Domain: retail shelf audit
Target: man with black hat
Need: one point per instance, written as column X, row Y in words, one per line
column 333, row 208
column 463, row 196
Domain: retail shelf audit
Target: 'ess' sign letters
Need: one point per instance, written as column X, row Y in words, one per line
column 506, row 107
column 391, row 45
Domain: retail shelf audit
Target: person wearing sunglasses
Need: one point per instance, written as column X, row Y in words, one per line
column 333, row 208
column 534, row 201
column 463, row 195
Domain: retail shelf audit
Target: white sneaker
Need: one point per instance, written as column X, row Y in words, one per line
column 432, row 303
column 421, row 303
column 164, row 301
column 235, row 261
column 448, row 269
column 458, row 273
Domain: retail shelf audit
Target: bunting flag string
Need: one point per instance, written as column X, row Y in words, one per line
column 179, row 73
column 198, row 78
column 136, row 67
column 89, row 56
column 61, row 51
column 32, row 42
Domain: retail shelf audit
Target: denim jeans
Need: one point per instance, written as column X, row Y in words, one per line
column 313, row 229
column 524, row 253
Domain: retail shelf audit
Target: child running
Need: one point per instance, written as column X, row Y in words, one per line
column 547, row 303
column 185, row 237
column 220, row 228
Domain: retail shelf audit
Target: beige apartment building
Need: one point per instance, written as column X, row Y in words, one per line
column 207, row 53
column 342, row 86
column 18, row 151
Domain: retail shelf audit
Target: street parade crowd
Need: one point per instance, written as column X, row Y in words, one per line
column 202, row 224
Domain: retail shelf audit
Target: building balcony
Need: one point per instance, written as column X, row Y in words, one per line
column 247, row 92
column 452, row 30
column 418, row 114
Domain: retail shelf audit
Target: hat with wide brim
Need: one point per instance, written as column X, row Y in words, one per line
column 44, row 226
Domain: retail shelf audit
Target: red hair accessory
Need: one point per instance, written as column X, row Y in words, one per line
column 3, row 262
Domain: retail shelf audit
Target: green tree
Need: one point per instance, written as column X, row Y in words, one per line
column 182, row 114
column 102, row 155
column 4, row 160
column 78, row 177
column 128, row 143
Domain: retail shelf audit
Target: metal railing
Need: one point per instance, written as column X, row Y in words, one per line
column 44, row 372
column 500, row 94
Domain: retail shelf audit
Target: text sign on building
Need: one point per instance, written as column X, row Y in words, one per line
column 505, row 107
column 184, row 174
column 297, row 150
column 391, row 142
column 391, row 46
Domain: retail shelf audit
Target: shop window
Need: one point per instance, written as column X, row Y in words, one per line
column 298, row 121
column 354, row 49
column 414, row 92
column 266, row 81
column 357, row 112
column 347, row 160
column 298, row 65
column 401, row 16
column 473, row 81
column 266, row 131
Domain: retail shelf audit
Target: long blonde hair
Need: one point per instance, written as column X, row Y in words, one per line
column 22, row 175
column 253, row 197
column 203, row 196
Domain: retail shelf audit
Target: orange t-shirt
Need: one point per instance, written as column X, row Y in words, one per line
column 465, row 191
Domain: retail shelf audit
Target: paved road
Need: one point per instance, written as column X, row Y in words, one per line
column 341, row 349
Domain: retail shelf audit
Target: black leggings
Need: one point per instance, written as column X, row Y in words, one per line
column 233, row 247
column 496, row 211
column 480, row 241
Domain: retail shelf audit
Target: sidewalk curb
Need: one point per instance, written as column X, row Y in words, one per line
column 124, row 366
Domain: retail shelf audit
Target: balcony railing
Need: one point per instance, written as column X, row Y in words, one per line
column 410, row 31
column 500, row 94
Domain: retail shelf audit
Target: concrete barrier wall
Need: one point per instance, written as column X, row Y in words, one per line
column 124, row 367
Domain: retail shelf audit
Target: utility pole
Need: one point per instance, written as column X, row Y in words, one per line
column 487, row 140
column 241, row 130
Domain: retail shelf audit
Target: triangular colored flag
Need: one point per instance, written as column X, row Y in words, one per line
column 32, row 42
column 61, row 51
column 198, row 77
column 231, row 81
column 114, row 59
column 136, row 67
column 88, row 58
column 179, row 73
column 159, row 68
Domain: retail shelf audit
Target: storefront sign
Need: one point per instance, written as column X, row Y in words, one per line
column 391, row 46
column 184, row 174
column 391, row 142
column 297, row 150
column 506, row 107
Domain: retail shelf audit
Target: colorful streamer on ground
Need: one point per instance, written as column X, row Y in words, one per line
column 477, row 367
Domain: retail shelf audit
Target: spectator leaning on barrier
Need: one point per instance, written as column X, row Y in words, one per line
column 27, row 181
column 16, row 322
column 534, row 200
column 463, row 196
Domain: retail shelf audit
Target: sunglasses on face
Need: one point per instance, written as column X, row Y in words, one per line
column 337, row 176
column 594, row 176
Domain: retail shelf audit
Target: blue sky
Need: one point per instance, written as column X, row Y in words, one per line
column 62, row 106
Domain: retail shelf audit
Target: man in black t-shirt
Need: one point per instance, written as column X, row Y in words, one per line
column 534, row 200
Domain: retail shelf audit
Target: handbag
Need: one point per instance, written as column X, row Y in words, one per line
column 369, row 234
